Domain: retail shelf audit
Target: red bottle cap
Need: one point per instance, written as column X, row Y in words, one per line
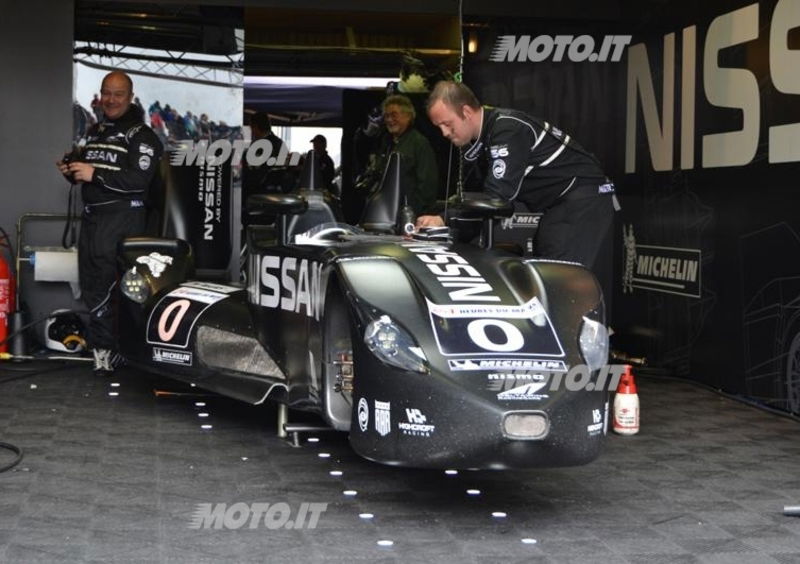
column 627, row 385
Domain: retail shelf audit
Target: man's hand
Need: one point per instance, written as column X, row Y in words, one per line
column 429, row 221
column 62, row 168
column 81, row 172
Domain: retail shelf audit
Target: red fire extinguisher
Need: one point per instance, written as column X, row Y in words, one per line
column 7, row 290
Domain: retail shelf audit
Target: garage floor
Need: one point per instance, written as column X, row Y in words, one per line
column 121, row 479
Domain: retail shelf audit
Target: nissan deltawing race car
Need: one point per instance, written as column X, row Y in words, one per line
column 428, row 352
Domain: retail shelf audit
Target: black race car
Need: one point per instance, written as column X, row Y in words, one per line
column 428, row 352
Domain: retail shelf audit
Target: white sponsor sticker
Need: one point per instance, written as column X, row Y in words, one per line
column 498, row 151
column 416, row 424
column 383, row 417
column 197, row 294
column 597, row 425
column 168, row 356
column 499, row 168
column 507, row 364
column 524, row 392
column 156, row 262
column 363, row 415
column 212, row 286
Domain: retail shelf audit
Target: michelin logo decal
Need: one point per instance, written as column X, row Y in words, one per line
column 184, row 358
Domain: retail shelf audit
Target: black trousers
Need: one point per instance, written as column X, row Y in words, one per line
column 579, row 228
column 97, row 268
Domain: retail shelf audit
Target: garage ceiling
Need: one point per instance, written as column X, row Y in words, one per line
column 340, row 43
column 321, row 38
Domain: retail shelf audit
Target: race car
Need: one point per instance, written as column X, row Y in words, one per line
column 428, row 352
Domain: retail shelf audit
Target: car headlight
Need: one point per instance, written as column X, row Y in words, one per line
column 594, row 343
column 393, row 345
column 135, row 286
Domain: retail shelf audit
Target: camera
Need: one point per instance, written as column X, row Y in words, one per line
column 73, row 156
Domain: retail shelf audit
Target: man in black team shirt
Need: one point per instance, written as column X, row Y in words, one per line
column 116, row 167
column 527, row 160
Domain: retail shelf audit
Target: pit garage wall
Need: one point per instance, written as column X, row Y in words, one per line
column 36, row 124
column 703, row 142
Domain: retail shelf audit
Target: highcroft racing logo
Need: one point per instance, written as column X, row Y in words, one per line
column 542, row 47
column 258, row 153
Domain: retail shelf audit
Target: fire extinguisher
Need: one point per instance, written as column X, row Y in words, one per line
column 7, row 290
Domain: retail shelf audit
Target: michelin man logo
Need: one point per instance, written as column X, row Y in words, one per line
column 363, row 415
column 499, row 168
column 156, row 262
column 630, row 259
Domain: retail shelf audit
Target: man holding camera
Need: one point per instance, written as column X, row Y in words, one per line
column 116, row 166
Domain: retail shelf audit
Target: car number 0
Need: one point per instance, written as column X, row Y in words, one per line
column 477, row 332
column 166, row 333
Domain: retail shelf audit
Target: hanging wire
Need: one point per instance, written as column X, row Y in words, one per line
column 457, row 78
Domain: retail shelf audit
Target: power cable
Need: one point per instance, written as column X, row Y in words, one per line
column 16, row 450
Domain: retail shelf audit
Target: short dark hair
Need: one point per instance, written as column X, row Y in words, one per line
column 455, row 95
column 261, row 121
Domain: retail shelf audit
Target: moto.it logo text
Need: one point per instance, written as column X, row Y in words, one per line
column 523, row 48
column 260, row 152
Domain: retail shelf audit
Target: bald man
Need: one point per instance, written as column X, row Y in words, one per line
column 117, row 166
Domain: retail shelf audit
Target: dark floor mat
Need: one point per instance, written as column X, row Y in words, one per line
column 113, row 473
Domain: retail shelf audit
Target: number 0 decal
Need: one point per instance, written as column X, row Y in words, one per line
column 164, row 333
column 514, row 339
column 173, row 318
column 483, row 330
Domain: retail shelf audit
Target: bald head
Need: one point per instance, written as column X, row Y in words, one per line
column 116, row 94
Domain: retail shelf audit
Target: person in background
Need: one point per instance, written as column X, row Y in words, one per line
column 266, row 177
column 97, row 108
column 326, row 166
column 418, row 170
column 118, row 163
column 204, row 127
